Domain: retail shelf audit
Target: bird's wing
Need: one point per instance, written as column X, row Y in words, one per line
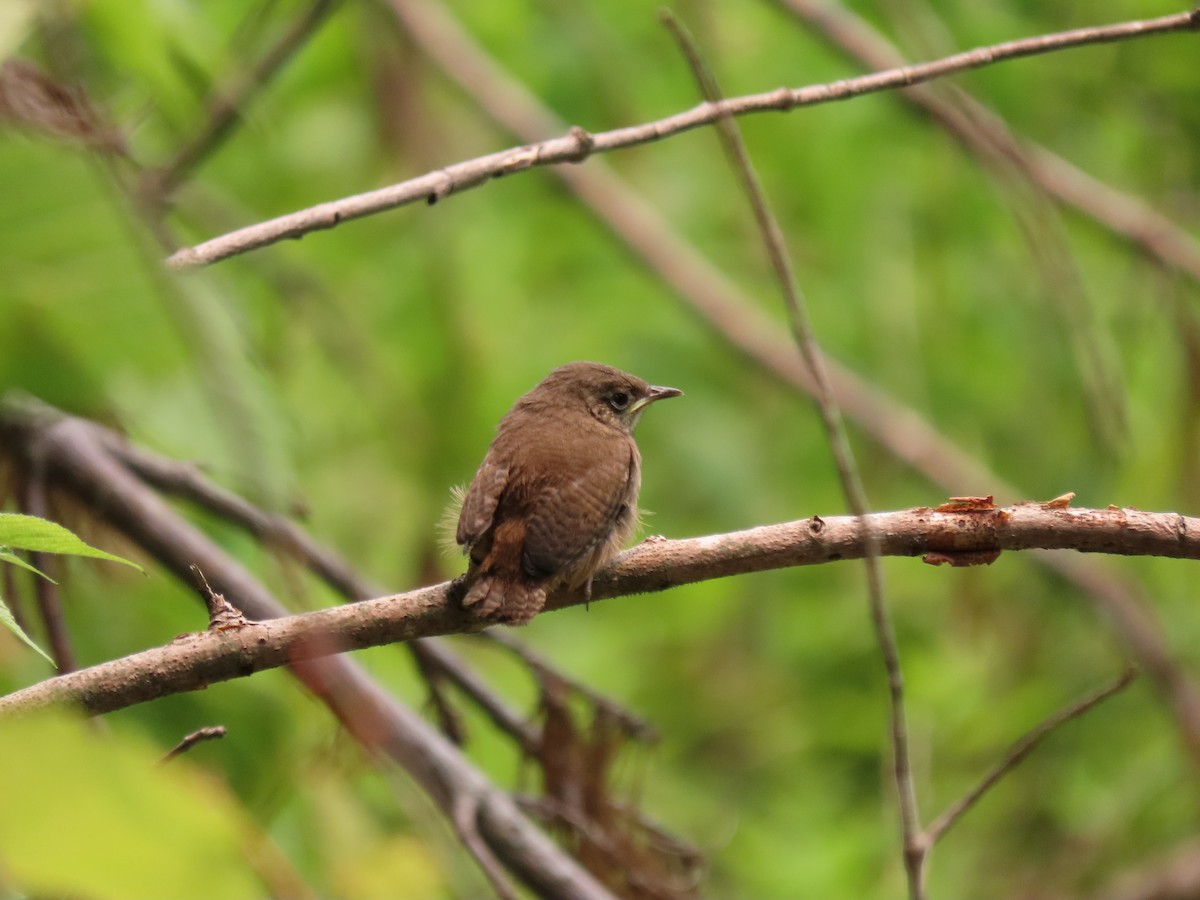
column 570, row 518
column 479, row 505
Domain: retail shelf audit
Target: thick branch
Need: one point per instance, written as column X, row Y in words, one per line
column 193, row 661
column 578, row 144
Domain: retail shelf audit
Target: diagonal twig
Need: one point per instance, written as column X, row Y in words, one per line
column 1021, row 749
column 210, row 733
column 847, row 469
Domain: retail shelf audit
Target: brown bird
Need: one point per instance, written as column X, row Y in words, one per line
column 556, row 496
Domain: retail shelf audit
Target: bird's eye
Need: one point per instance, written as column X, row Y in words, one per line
column 618, row 400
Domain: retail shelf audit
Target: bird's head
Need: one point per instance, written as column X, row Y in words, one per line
column 613, row 397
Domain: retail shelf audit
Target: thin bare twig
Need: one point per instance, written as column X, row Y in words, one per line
column 1022, row 749
column 831, row 417
column 1115, row 595
column 579, row 144
column 211, row 733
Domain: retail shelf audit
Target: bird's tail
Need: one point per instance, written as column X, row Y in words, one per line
column 505, row 601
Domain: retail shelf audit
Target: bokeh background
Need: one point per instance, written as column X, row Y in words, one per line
column 356, row 375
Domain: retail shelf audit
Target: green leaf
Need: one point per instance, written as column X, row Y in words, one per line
column 7, row 620
column 8, row 556
column 32, row 533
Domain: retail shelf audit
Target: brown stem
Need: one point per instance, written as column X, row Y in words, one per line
column 211, row 733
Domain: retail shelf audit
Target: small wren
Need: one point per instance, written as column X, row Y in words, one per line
column 556, row 496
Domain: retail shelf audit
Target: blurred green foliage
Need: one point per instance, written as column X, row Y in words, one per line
column 360, row 372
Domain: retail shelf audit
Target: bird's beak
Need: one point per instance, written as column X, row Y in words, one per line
column 656, row 393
